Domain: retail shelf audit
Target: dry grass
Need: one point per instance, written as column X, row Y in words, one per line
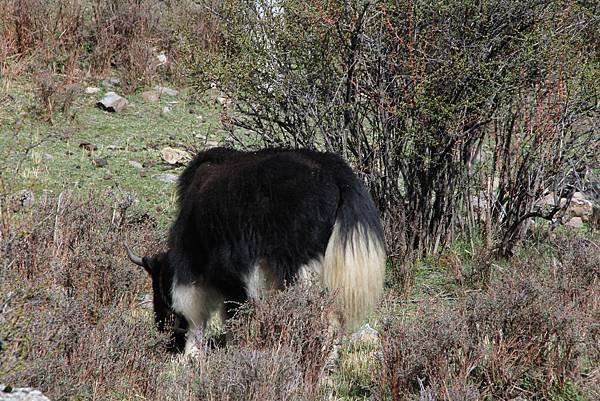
column 71, row 324
column 71, row 321
column 532, row 332
column 78, row 40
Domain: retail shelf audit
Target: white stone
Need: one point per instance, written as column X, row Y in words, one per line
column 175, row 156
column 112, row 102
column 168, row 178
column 136, row 164
column 163, row 90
column 8, row 393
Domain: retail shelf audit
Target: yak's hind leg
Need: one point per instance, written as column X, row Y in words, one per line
column 196, row 302
column 260, row 279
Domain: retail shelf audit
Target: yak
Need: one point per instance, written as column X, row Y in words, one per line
column 251, row 221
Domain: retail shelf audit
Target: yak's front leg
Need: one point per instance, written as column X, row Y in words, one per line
column 196, row 302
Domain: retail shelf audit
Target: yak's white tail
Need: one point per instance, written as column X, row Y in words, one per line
column 354, row 266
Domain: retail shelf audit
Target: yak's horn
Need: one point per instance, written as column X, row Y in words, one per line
column 133, row 257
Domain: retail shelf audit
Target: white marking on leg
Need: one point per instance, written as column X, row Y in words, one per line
column 196, row 302
column 260, row 279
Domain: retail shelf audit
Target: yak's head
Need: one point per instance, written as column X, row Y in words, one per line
column 167, row 320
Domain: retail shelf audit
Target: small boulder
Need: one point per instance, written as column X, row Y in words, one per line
column 223, row 100
column 580, row 206
column 92, row 90
column 8, row 393
column 365, row 333
column 136, row 164
column 111, row 82
column 24, row 198
column 166, row 110
column 168, row 178
column 175, row 156
column 100, row 162
column 211, row 143
column 112, row 102
column 163, row 90
column 90, row 147
column 162, row 58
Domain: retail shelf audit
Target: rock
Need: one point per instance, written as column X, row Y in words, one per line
column 92, row 90
column 162, row 58
column 100, row 162
column 223, row 100
column 575, row 222
column 24, row 198
column 90, row 147
column 8, row 393
column 163, row 90
column 111, row 82
column 47, row 156
column 211, row 144
column 151, row 96
column 168, row 178
column 365, row 333
column 112, row 102
column 166, row 110
column 581, row 207
column 175, row 156
column 108, row 176
column 136, row 164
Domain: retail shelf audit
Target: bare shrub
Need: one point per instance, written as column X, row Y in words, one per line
column 69, row 37
column 196, row 39
column 54, row 94
column 42, row 34
column 300, row 319
column 278, row 348
column 71, row 321
column 125, row 36
column 236, row 374
column 436, row 112
column 433, row 351
column 532, row 331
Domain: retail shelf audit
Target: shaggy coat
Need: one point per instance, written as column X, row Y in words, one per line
column 254, row 220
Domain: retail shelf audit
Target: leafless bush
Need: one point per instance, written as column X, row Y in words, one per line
column 300, row 319
column 278, row 348
column 196, row 39
column 532, row 332
column 434, row 351
column 126, row 35
column 73, row 37
column 237, row 374
column 452, row 123
column 42, row 34
column 71, row 321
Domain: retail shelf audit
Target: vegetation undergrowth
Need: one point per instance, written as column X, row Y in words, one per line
column 74, row 324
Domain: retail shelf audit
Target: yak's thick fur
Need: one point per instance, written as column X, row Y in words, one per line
column 254, row 220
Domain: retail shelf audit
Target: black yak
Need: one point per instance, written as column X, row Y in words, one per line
column 254, row 220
